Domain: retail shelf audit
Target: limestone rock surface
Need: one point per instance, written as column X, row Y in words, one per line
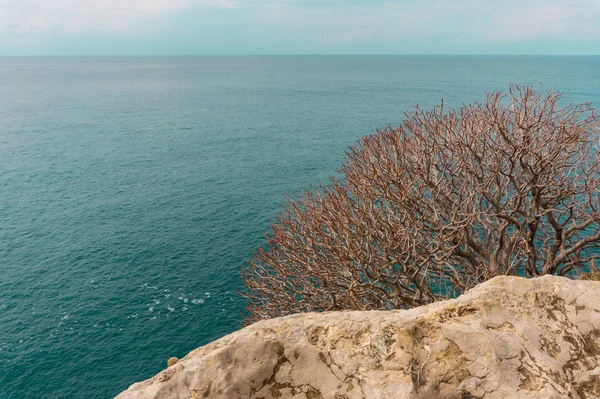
column 508, row 338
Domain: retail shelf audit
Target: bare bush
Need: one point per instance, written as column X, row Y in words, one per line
column 449, row 199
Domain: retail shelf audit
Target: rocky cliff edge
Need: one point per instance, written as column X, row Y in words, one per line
column 508, row 338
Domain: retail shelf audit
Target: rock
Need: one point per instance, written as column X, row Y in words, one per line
column 508, row 338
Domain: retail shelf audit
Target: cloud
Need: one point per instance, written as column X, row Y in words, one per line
column 532, row 19
column 442, row 21
column 305, row 26
column 88, row 15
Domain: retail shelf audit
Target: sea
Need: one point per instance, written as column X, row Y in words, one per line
column 134, row 189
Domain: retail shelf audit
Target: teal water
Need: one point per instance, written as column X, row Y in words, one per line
column 132, row 190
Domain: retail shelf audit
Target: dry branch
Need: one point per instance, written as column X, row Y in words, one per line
column 445, row 201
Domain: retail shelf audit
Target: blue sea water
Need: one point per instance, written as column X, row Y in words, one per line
column 132, row 190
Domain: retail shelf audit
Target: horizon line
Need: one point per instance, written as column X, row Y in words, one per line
column 306, row 55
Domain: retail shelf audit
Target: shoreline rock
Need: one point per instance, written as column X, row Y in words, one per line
column 507, row 338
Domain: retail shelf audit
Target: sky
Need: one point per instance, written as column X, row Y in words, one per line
column 165, row 27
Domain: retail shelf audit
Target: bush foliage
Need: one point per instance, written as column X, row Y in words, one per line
column 445, row 201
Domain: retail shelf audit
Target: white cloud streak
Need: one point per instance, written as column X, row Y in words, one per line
column 88, row 15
